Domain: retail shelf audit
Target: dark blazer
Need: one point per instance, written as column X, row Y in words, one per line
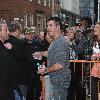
column 19, row 54
column 30, row 49
column 34, row 89
column 7, row 74
column 7, row 68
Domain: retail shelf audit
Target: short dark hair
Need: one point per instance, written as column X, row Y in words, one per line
column 88, row 20
column 57, row 20
column 14, row 26
column 97, row 23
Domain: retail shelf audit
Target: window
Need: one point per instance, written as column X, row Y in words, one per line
column 30, row 0
column 45, row 2
column 44, row 22
column 40, row 22
column 39, row 1
column 25, row 20
column 49, row 3
column 31, row 19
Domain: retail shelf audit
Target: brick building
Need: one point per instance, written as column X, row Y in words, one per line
column 27, row 12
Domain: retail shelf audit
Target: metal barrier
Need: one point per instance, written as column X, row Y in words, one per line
column 43, row 88
column 84, row 61
column 76, row 61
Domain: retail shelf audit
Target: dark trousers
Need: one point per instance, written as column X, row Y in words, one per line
column 35, row 89
column 71, row 89
column 77, row 90
column 94, row 88
column 7, row 94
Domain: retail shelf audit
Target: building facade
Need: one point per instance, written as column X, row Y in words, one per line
column 70, row 11
column 87, row 8
column 27, row 12
column 71, row 5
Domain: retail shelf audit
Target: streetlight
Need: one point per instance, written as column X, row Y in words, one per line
column 98, row 10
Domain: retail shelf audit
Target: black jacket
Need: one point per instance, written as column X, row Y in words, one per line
column 19, row 54
column 30, row 49
column 7, row 68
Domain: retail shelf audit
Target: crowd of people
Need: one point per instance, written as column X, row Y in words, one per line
column 26, row 56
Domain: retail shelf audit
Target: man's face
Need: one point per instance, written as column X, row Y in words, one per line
column 70, row 34
column 5, row 31
column 52, row 28
column 17, row 33
column 41, row 36
column 84, row 24
column 29, row 36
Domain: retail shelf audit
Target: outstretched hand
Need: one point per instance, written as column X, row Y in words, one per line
column 37, row 55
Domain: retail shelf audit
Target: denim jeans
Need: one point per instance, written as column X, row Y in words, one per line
column 24, row 89
column 17, row 95
column 48, row 88
column 52, row 93
column 59, row 95
column 20, row 93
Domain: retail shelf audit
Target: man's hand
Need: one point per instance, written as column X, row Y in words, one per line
column 40, row 54
column 8, row 46
column 37, row 55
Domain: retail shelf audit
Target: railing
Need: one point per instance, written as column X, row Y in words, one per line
column 43, row 88
column 82, row 63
